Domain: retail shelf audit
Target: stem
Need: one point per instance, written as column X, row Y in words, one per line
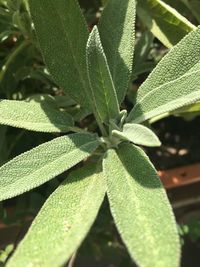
column 77, row 130
column 72, row 260
column 12, row 57
column 101, row 126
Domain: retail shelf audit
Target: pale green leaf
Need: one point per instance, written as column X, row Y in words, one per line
column 39, row 165
column 140, row 208
column 62, row 34
column 138, row 134
column 103, row 94
column 34, row 116
column 117, row 32
column 188, row 112
column 63, row 221
column 168, row 97
column 164, row 21
column 178, row 69
column 188, row 109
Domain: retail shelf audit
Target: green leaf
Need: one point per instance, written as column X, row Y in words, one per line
column 164, row 21
column 63, row 221
column 168, row 97
column 188, row 109
column 62, row 34
column 14, row 61
column 142, row 48
column 194, row 6
column 39, row 165
column 103, row 94
column 173, row 83
column 117, row 32
column 140, row 208
column 138, row 134
column 34, row 116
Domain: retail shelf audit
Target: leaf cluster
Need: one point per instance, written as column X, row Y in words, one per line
column 95, row 69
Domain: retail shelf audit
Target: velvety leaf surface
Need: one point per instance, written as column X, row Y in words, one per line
column 117, row 32
column 63, row 221
column 34, row 116
column 165, row 22
column 103, row 94
column 37, row 166
column 63, row 34
column 168, row 97
column 140, row 208
column 176, row 69
column 138, row 134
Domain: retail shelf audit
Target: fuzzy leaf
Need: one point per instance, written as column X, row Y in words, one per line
column 173, row 83
column 168, row 97
column 140, row 208
column 39, row 165
column 34, row 116
column 103, row 94
column 165, row 22
column 63, row 221
column 62, row 34
column 117, row 32
column 138, row 134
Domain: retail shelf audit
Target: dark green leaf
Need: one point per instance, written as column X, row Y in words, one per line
column 117, row 32
column 62, row 34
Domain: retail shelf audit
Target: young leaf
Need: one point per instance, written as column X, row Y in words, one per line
column 39, row 165
column 164, row 21
column 175, row 67
column 63, row 221
column 62, row 34
column 34, row 116
column 117, row 32
column 140, row 208
column 103, row 94
column 138, row 134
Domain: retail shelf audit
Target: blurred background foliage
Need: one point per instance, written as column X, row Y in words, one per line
column 23, row 75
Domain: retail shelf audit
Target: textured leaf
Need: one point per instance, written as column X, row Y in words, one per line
column 140, row 208
column 138, row 134
column 164, row 21
column 63, row 34
column 103, row 94
column 63, row 221
column 174, row 77
column 117, row 32
column 34, row 116
column 168, row 97
column 37, row 166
